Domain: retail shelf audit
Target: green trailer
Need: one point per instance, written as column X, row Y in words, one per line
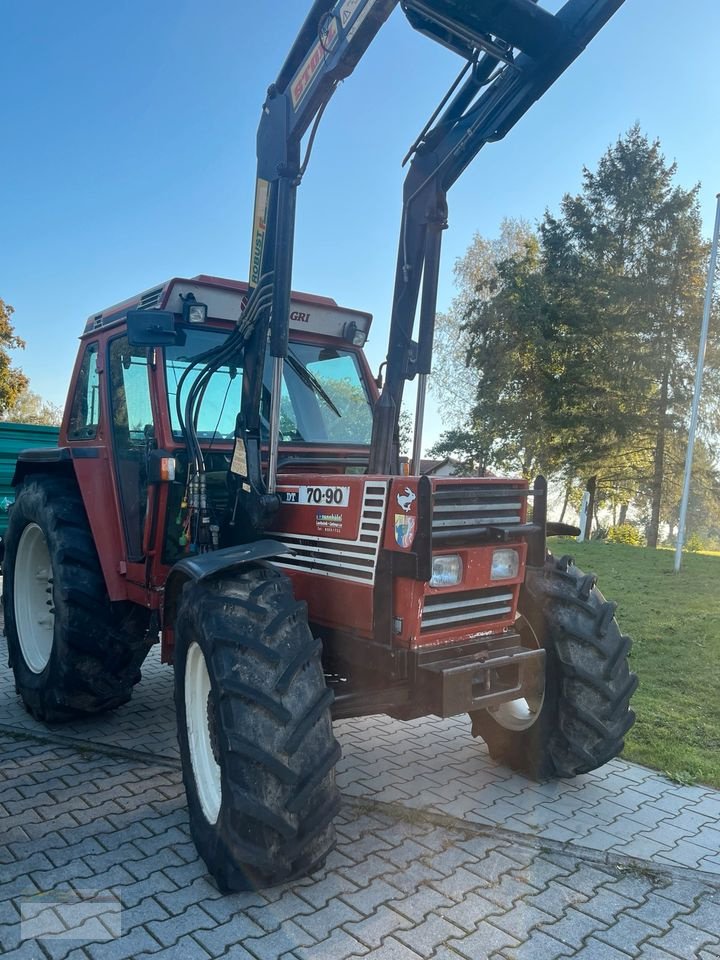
column 15, row 437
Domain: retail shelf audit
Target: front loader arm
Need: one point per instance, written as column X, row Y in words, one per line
column 514, row 51
column 330, row 43
column 525, row 50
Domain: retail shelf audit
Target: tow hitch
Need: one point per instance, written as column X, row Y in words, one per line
column 450, row 685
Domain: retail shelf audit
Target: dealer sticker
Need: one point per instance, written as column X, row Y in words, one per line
column 329, row 521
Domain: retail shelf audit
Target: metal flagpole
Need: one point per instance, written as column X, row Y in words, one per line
column 698, row 388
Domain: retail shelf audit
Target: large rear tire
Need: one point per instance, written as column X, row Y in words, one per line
column 256, row 742
column 580, row 720
column 73, row 652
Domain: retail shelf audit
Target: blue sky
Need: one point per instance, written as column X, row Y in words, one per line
column 129, row 150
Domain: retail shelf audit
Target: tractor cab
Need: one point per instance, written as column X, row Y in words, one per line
column 136, row 368
column 327, row 392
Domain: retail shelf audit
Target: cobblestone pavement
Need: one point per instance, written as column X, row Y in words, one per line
column 441, row 853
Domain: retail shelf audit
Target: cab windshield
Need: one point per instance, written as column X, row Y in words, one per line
column 324, row 399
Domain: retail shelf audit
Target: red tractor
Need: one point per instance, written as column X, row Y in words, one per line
column 228, row 476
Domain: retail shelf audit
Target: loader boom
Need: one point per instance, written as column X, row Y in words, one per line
column 514, row 50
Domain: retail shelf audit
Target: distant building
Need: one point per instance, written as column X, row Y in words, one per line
column 440, row 468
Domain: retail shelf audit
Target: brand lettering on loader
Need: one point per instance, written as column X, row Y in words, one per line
column 257, row 252
column 309, row 69
column 259, row 230
column 297, row 316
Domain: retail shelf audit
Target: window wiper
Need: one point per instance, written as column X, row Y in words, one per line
column 311, row 381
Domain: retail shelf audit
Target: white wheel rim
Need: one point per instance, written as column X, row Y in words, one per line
column 205, row 767
column 522, row 713
column 518, row 714
column 33, row 600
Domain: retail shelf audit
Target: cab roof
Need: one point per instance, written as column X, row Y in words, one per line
column 226, row 299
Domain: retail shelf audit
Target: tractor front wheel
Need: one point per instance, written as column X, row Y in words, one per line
column 578, row 718
column 256, row 742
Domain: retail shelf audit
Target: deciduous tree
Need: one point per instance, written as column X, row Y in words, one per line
column 12, row 380
column 581, row 341
column 29, row 407
column 454, row 381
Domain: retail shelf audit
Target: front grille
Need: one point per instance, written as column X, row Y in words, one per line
column 466, row 608
column 354, row 560
column 469, row 508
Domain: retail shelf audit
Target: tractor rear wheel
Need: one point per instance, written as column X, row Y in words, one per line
column 72, row 651
column 578, row 721
column 256, row 742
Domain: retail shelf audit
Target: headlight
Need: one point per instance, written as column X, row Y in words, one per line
column 505, row 564
column 446, row 571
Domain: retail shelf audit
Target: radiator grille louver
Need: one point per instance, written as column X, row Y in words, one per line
column 459, row 509
column 466, row 608
column 353, row 560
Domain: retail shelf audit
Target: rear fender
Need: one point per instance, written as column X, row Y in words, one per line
column 207, row 566
column 44, row 460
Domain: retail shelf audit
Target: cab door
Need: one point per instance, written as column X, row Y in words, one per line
column 132, row 424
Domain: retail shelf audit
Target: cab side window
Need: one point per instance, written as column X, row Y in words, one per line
column 85, row 410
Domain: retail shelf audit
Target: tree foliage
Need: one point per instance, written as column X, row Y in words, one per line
column 454, row 381
column 625, row 533
column 12, row 380
column 625, row 262
column 406, row 427
column 512, row 356
column 29, row 407
column 581, row 339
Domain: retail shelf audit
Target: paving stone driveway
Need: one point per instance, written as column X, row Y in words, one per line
column 442, row 854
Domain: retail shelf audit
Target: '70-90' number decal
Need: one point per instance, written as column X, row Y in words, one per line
column 325, row 496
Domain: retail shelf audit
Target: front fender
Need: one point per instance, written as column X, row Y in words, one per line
column 204, row 566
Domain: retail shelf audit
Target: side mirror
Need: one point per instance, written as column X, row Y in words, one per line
column 153, row 328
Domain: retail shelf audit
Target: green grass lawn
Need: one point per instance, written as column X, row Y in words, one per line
column 674, row 620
